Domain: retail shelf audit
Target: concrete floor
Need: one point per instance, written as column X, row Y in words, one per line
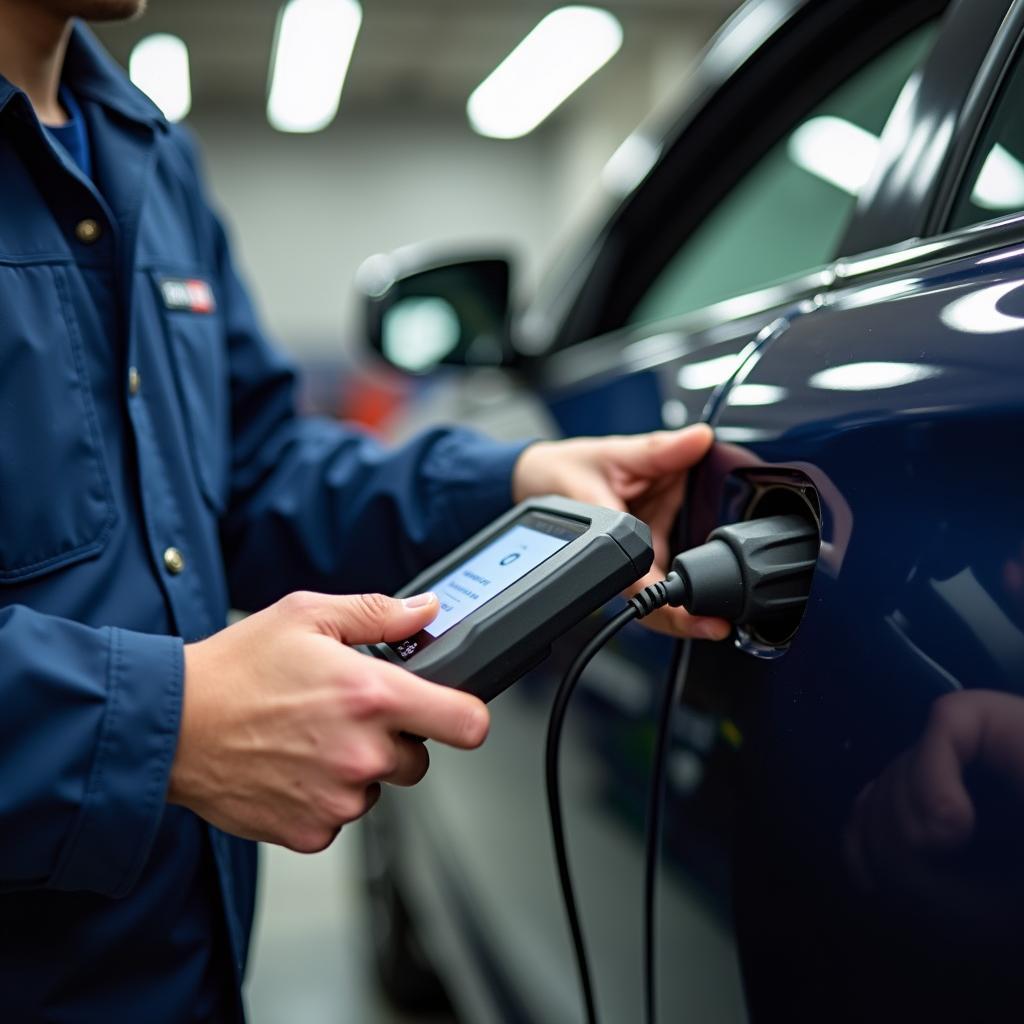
column 310, row 961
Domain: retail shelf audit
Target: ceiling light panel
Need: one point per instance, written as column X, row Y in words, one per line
column 543, row 71
column 313, row 46
column 158, row 65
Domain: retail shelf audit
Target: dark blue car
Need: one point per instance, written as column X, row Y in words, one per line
column 825, row 261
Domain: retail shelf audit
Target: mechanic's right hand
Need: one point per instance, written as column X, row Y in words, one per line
column 286, row 732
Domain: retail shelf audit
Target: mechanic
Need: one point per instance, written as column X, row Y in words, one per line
column 153, row 473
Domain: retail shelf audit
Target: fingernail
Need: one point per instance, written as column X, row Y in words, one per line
column 419, row 600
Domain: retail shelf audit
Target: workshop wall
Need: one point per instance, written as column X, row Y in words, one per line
column 307, row 209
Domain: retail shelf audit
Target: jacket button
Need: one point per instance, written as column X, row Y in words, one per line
column 88, row 231
column 174, row 561
column 134, row 380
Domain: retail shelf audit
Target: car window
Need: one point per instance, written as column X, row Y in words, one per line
column 994, row 185
column 788, row 213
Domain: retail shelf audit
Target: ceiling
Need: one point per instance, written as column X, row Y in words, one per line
column 418, row 52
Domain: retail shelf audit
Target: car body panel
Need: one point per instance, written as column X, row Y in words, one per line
column 902, row 402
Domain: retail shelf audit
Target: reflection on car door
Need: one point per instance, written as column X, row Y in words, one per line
column 900, row 401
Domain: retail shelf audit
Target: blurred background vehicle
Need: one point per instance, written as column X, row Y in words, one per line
column 820, row 253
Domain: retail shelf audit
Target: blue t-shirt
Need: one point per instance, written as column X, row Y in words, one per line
column 72, row 135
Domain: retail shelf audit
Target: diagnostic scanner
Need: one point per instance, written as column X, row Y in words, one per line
column 515, row 587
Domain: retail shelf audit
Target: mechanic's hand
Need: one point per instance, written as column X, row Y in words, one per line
column 644, row 475
column 286, row 731
column 908, row 822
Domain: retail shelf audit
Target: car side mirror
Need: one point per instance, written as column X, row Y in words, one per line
column 422, row 313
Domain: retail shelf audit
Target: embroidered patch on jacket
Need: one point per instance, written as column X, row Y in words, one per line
column 188, row 293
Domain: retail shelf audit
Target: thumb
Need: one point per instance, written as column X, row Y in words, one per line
column 664, row 452
column 372, row 618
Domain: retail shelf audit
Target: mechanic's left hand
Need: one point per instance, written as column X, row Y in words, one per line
column 644, row 475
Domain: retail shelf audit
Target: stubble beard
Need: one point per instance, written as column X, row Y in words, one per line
column 97, row 10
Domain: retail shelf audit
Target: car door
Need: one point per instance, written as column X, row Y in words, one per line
column 892, row 408
column 664, row 353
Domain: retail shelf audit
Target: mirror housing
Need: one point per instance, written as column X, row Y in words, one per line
column 422, row 312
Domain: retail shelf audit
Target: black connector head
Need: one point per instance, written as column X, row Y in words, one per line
column 754, row 572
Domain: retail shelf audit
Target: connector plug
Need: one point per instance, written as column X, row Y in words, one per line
column 753, row 572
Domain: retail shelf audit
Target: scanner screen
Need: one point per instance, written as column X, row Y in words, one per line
column 492, row 569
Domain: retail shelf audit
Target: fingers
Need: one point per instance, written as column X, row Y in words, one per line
column 943, row 806
column 412, row 762
column 390, row 699
column 679, row 622
column 440, row 713
column 363, row 618
column 436, row 712
column 853, row 842
column 919, row 804
column 663, row 452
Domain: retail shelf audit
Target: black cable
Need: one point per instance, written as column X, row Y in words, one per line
column 652, row 840
column 670, row 590
column 558, row 710
column 757, row 569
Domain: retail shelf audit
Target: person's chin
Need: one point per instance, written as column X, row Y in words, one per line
column 101, row 10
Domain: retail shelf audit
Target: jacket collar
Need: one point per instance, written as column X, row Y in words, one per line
column 92, row 73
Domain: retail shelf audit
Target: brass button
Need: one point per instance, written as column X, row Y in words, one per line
column 174, row 561
column 88, row 231
column 134, row 381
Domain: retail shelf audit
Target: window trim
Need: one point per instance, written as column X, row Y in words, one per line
column 982, row 101
column 924, row 253
column 895, row 205
column 622, row 245
column 630, row 348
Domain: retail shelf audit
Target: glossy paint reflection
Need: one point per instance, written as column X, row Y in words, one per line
column 935, row 842
column 980, row 312
column 860, row 866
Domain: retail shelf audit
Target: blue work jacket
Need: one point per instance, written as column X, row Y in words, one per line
column 153, row 473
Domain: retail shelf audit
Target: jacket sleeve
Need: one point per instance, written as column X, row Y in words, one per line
column 314, row 504
column 88, row 732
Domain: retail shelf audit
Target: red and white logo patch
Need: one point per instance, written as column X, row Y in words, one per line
column 188, row 293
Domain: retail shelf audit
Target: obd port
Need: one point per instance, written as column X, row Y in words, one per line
column 774, row 499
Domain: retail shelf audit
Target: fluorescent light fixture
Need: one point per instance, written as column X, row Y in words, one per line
column 708, row 373
column 1000, row 185
column 871, row 376
column 158, row 65
column 543, row 71
column 835, row 150
column 979, row 313
column 312, row 48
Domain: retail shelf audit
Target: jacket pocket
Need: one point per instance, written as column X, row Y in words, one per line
column 198, row 359
column 56, row 503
